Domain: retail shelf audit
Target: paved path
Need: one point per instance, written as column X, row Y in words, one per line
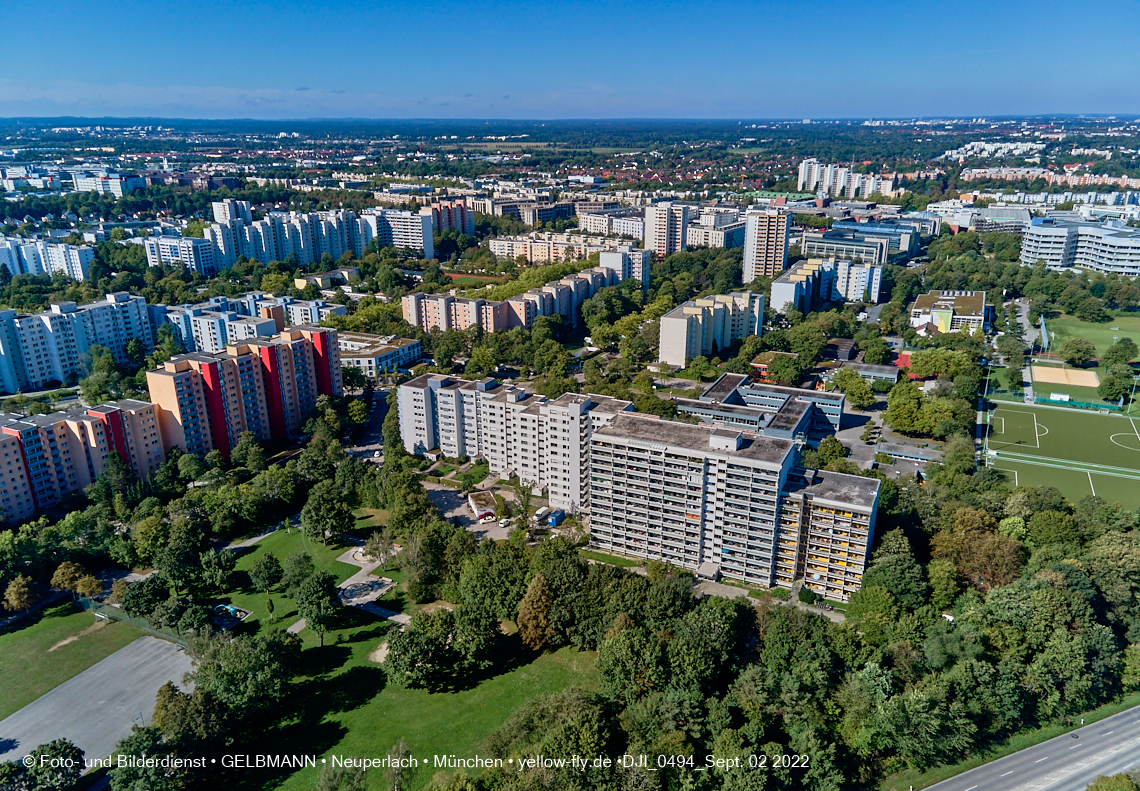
column 97, row 708
column 1066, row 763
column 362, row 589
column 294, row 521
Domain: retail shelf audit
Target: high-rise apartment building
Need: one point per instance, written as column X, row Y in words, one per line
column 263, row 385
column 16, row 501
column 229, row 210
column 766, row 235
column 197, row 255
column 38, row 257
column 665, row 227
column 808, row 286
column 627, row 263
column 39, row 349
column 519, row 433
column 63, row 452
column 859, row 282
column 717, row 500
column 453, row 215
column 726, row 503
column 708, row 325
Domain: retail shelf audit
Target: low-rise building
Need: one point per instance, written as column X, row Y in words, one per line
column 951, row 311
column 376, row 355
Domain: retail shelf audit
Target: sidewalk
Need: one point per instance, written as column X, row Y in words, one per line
column 732, row 592
column 362, row 589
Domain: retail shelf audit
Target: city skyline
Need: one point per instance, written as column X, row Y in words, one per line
column 466, row 61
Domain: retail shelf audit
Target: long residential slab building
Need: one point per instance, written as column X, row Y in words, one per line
column 716, row 499
column 557, row 298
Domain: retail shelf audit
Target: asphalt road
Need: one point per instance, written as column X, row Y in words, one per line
column 1065, row 763
column 96, row 709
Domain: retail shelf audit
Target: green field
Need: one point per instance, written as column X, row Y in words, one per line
column 1100, row 333
column 282, row 544
column 350, row 709
column 41, row 651
column 1078, row 452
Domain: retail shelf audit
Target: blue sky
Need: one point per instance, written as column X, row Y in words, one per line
column 575, row 59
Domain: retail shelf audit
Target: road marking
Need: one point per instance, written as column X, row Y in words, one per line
column 1039, row 760
column 1075, row 746
column 971, row 788
column 1090, row 483
column 1108, row 733
column 1007, row 774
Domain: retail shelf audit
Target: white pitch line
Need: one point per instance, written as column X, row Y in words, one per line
column 1091, row 484
column 1137, row 430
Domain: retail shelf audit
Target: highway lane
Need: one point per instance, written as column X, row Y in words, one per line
column 1065, row 763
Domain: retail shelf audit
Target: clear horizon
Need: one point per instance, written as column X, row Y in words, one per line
column 586, row 61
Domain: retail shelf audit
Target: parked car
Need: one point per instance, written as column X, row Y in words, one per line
column 541, row 513
column 504, row 522
column 376, row 454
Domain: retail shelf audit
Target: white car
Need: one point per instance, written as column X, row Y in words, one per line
column 504, row 522
column 487, row 519
column 376, row 455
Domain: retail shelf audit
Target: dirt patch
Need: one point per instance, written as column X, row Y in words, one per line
column 379, row 654
column 75, row 637
column 437, row 605
column 1065, row 376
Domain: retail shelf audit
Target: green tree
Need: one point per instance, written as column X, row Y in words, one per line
column 318, row 603
column 1078, row 351
column 534, row 615
column 298, row 567
column 352, row 377
column 1120, row 353
column 265, row 572
column 56, row 766
column 357, row 412
column 631, row 664
column 855, row 387
column 217, row 567
column 147, row 741
column 325, row 513
column 248, row 453
column 904, row 409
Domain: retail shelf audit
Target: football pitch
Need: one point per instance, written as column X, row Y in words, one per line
column 1079, row 453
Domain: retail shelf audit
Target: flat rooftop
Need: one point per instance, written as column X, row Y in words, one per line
column 963, row 303
column 789, row 415
column 723, row 387
column 727, row 409
column 849, row 489
column 693, row 437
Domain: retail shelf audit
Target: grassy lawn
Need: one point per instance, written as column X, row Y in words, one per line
column 34, row 659
column 475, row 475
column 444, row 469
column 349, row 709
column 369, row 519
column 912, row 777
column 1100, row 333
column 613, row 560
column 282, row 545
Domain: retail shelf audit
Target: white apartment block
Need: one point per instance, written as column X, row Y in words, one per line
column 1109, row 248
column 666, row 225
column 307, row 237
column 727, row 503
column 39, row 349
column 766, row 235
column 726, row 235
column 194, row 254
column 229, row 210
column 708, row 325
column 203, row 330
column 313, row 311
column 836, row 180
column 542, row 441
column 859, row 282
column 378, row 354
column 627, row 263
column 38, row 257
